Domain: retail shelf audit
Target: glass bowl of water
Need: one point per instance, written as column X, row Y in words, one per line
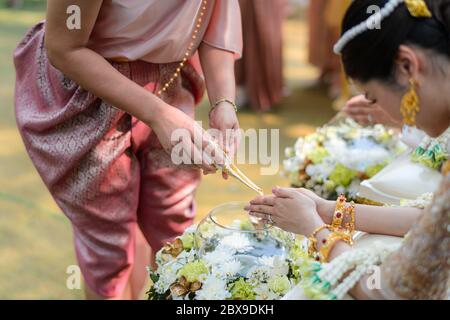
column 229, row 229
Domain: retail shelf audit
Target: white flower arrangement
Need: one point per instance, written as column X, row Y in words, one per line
column 337, row 158
column 183, row 273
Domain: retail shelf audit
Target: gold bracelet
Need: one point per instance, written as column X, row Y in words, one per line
column 312, row 240
column 329, row 244
column 338, row 214
column 350, row 211
column 346, row 236
column 227, row 101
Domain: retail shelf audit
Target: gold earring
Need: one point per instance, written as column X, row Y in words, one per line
column 410, row 104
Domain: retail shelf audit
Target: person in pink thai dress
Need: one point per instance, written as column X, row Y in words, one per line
column 260, row 71
column 96, row 107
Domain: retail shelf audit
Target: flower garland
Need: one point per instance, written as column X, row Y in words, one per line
column 332, row 281
column 420, row 203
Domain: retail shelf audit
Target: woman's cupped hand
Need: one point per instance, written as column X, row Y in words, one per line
column 293, row 210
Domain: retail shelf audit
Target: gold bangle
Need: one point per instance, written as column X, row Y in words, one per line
column 345, row 236
column 312, row 247
column 350, row 211
column 338, row 214
column 315, row 232
column 329, row 244
column 227, row 101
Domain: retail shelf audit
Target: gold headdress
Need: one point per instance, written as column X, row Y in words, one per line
column 418, row 8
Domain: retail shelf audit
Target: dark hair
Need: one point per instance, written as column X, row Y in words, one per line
column 371, row 55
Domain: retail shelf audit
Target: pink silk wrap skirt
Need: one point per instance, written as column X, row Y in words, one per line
column 105, row 169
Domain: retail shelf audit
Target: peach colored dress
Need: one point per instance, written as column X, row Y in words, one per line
column 105, row 169
column 160, row 31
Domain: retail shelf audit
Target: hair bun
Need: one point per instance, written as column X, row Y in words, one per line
column 441, row 12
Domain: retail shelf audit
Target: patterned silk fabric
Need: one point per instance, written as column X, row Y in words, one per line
column 105, row 169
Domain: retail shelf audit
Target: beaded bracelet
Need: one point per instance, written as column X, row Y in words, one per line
column 227, row 101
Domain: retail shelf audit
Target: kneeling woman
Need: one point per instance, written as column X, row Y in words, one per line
column 405, row 67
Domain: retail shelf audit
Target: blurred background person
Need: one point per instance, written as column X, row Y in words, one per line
column 14, row 3
column 324, row 29
column 259, row 74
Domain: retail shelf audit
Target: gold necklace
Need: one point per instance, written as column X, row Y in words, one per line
column 188, row 52
column 229, row 168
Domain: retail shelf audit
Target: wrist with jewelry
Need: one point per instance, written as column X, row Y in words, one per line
column 338, row 231
column 225, row 100
column 320, row 249
column 325, row 209
column 338, row 215
column 344, row 212
column 313, row 240
column 329, row 243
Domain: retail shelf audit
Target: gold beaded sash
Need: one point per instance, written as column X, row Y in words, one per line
column 190, row 50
